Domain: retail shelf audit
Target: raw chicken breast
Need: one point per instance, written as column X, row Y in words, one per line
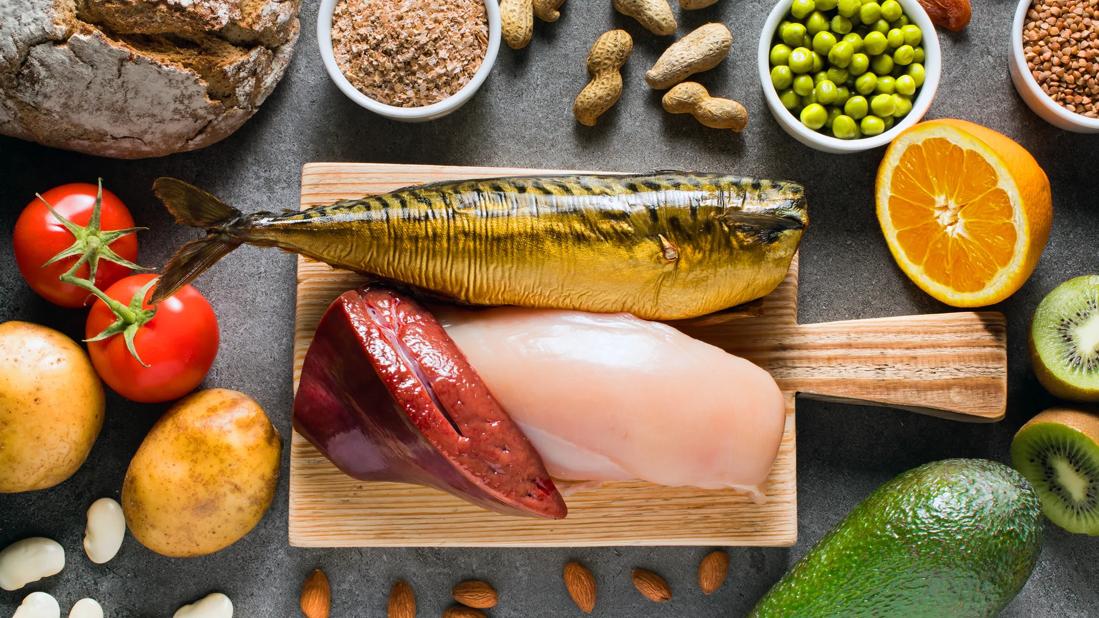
column 607, row 397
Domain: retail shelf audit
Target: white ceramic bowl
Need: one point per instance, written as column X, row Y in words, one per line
column 408, row 114
column 792, row 125
column 1032, row 94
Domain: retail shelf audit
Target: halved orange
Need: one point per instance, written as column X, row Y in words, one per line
column 965, row 210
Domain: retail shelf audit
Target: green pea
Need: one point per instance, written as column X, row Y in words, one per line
column 818, row 62
column 848, row 8
column 801, row 8
column 891, row 10
column 789, row 99
column 855, row 39
column 844, row 127
column 842, row 94
column 903, row 20
column 866, row 83
column 895, row 38
column 874, row 43
column 856, row 107
column 823, row 42
column 882, row 105
column 792, row 34
column 871, row 125
column 801, row 60
column 814, row 116
column 819, row 76
column 841, row 24
column 901, row 106
column 917, row 56
column 882, row 65
column 817, row 22
column 826, row 5
column 887, row 123
column 886, row 85
column 782, row 77
column 841, row 53
column 904, row 55
column 912, row 34
column 809, row 99
column 833, row 113
column 860, row 63
column 780, row 54
column 837, row 75
column 826, row 92
column 869, row 12
column 803, row 85
column 880, row 26
column 906, row 85
column 917, row 73
column 806, row 41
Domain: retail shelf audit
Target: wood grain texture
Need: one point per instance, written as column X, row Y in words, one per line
column 951, row 364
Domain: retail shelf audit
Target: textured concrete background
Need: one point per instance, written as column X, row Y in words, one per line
column 522, row 117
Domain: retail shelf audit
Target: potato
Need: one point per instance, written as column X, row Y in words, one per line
column 51, row 407
column 204, row 476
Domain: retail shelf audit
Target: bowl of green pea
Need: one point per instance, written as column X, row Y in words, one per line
column 845, row 76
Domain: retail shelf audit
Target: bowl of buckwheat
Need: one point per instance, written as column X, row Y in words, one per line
column 409, row 60
column 1055, row 61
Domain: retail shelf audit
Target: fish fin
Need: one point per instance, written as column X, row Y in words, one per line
column 190, row 261
column 192, row 206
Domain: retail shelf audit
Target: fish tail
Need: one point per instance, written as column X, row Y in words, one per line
column 192, row 206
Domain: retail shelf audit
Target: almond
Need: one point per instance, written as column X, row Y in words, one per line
column 316, row 595
column 475, row 593
column 402, row 601
column 712, row 571
column 461, row 611
column 651, row 586
column 581, row 586
column 950, row 14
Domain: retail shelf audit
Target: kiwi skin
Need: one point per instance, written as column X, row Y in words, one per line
column 1080, row 425
column 1054, row 383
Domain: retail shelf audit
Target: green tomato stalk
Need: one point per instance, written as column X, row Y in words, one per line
column 92, row 244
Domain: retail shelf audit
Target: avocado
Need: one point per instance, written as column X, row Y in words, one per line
column 952, row 538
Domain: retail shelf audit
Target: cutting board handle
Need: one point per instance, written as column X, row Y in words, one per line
column 952, row 365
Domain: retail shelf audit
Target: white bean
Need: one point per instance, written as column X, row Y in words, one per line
column 215, row 605
column 86, row 608
column 38, row 605
column 30, row 560
column 105, row 530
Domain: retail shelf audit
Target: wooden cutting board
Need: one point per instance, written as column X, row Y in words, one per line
column 950, row 365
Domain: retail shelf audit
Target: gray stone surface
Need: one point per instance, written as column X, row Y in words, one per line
column 522, row 117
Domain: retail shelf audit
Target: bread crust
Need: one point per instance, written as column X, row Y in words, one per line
column 139, row 78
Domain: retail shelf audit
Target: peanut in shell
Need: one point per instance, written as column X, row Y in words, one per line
column 516, row 22
column 654, row 15
column 714, row 112
column 606, row 58
column 699, row 51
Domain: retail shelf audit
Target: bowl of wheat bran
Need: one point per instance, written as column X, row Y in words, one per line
column 409, row 60
column 1055, row 61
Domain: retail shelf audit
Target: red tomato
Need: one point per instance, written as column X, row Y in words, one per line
column 178, row 344
column 39, row 236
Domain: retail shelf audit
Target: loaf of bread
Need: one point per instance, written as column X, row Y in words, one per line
column 139, row 78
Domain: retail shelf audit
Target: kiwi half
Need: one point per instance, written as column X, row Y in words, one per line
column 1064, row 340
column 1057, row 452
